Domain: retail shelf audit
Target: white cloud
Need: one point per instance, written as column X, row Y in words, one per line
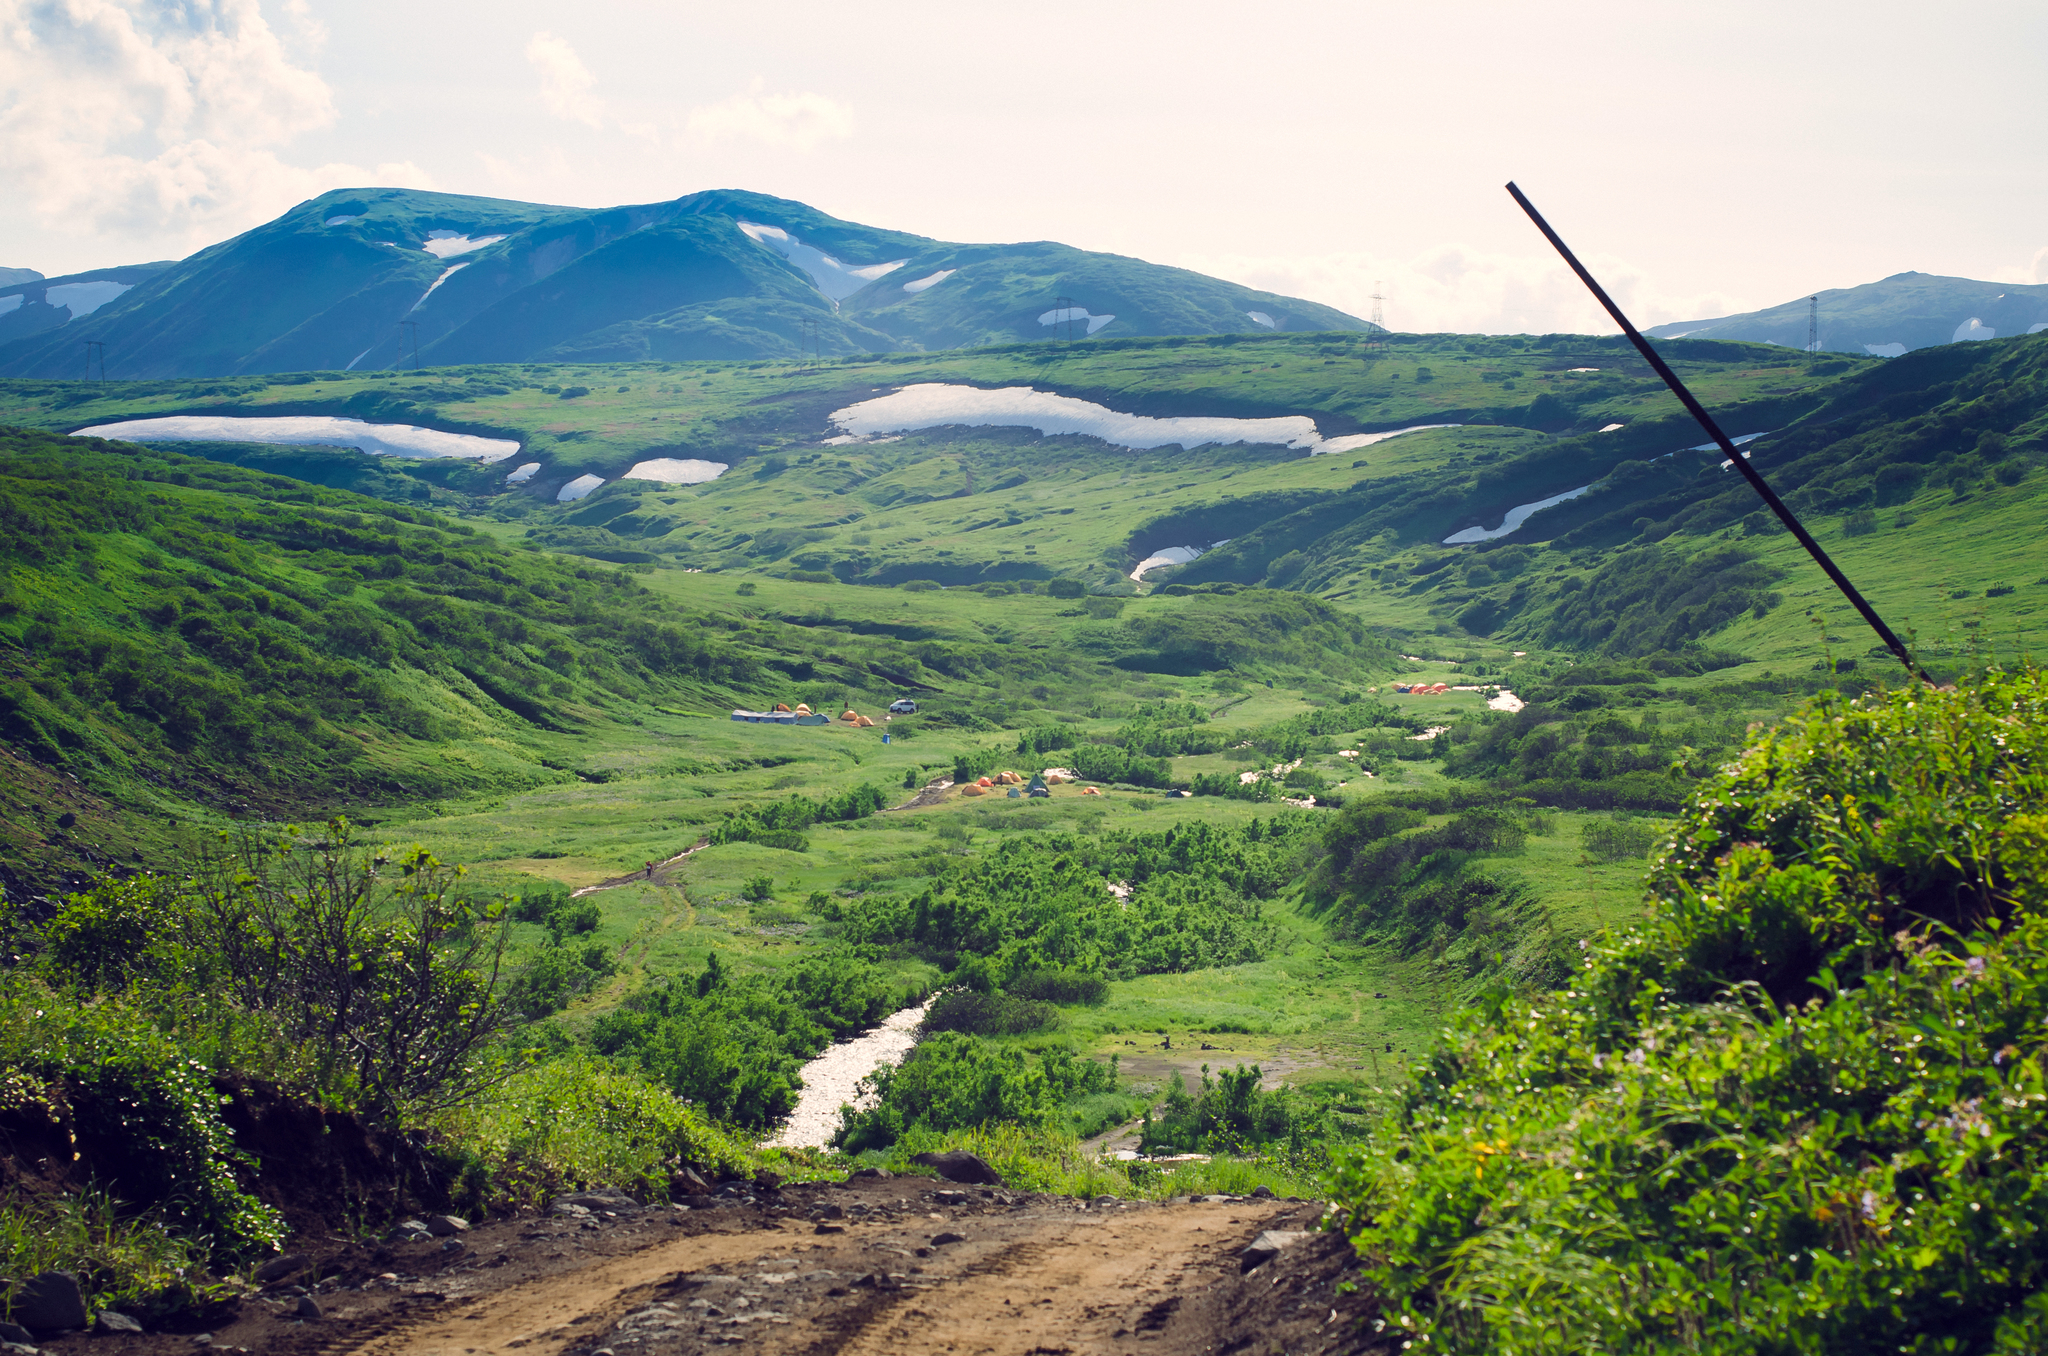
column 565, row 82
column 153, row 119
column 1459, row 289
column 793, row 121
column 2034, row 272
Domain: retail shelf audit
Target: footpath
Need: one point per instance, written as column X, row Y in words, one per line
column 873, row 1266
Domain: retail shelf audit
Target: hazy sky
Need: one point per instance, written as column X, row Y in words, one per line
column 1705, row 157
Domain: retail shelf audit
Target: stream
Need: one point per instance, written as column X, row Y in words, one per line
column 830, row 1078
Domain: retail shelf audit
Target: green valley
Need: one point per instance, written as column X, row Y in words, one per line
column 1261, row 843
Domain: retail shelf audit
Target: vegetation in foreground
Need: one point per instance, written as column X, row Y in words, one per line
column 1800, row 1107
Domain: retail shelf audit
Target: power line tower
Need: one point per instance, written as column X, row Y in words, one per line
column 412, row 332
column 1063, row 314
column 95, row 352
column 1379, row 316
column 1813, row 324
column 811, row 345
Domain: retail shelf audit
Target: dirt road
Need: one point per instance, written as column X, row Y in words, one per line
column 871, row 1267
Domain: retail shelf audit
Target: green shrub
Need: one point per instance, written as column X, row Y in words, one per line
column 1800, row 1107
column 1066, row 588
column 139, row 1105
column 383, row 973
column 989, row 1014
column 572, row 1122
column 920, row 586
column 953, row 1081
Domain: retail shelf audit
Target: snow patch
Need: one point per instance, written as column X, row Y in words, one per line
column 1970, row 329
column 522, row 473
column 833, row 1079
column 86, row 297
column 1262, row 318
column 358, row 358
column 836, row 280
column 1612, row 427
column 1067, row 313
column 1886, row 350
column 937, row 404
column 1174, row 555
column 434, row 286
column 578, row 488
column 677, row 471
column 1582, row 369
column 342, row 221
column 9, row 303
column 448, row 244
column 1351, row 442
column 1517, row 515
column 920, row 284
column 1505, row 701
column 379, row 440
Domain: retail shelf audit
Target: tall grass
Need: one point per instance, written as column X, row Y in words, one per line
column 574, row 1122
column 123, row 1259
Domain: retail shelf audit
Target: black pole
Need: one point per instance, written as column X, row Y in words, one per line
column 1728, row 448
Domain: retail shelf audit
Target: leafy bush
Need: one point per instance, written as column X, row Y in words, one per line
column 557, row 974
column 1228, row 1112
column 1060, row 986
column 1801, row 1107
column 781, row 823
column 952, row 1081
column 146, row 1112
column 572, row 1122
column 989, row 1014
column 388, row 979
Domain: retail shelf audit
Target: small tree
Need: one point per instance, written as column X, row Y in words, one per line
column 378, row 968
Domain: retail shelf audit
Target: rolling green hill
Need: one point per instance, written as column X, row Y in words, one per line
column 360, row 279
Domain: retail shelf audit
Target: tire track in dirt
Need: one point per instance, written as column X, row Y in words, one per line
column 1068, row 1279
column 546, row 1316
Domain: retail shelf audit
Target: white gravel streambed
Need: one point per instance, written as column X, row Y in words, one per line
column 830, row 1078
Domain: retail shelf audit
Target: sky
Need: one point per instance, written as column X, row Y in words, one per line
column 1703, row 159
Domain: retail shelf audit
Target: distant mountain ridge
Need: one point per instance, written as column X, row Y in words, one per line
column 1892, row 316
column 31, row 304
column 361, row 279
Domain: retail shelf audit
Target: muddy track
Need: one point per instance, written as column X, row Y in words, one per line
column 871, row 1267
column 659, row 875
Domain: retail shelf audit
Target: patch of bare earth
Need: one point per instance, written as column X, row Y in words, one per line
column 870, row 1267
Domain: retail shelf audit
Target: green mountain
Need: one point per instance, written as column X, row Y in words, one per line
column 1886, row 318
column 32, row 305
column 364, row 279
